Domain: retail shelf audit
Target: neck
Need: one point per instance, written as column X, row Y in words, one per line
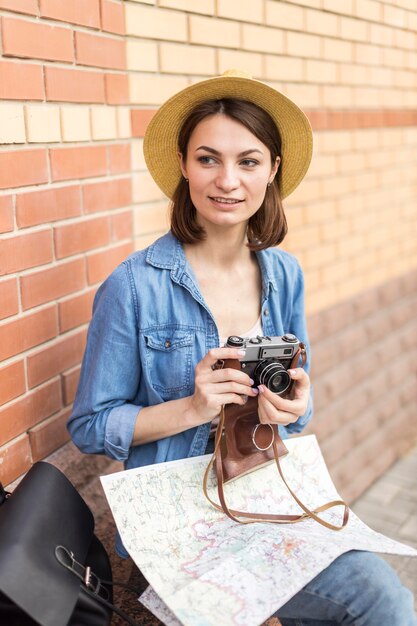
column 223, row 248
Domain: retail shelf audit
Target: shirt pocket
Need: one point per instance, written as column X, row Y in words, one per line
column 169, row 360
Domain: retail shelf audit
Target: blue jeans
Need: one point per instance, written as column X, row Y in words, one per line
column 357, row 589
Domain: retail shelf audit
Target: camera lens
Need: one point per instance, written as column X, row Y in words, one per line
column 273, row 375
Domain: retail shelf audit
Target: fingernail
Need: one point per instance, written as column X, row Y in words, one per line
column 252, row 382
column 261, row 389
column 255, row 391
column 292, row 372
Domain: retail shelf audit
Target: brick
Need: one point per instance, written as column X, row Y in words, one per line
column 12, row 123
column 249, row 10
column 69, row 85
column 302, row 45
column 64, row 353
column 73, row 11
column 181, row 58
column 101, row 264
column 124, row 128
column 116, row 88
column 15, row 459
column 365, row 53
column 19, row 416
column 9, row 300
column 110, row 194
column 251, row 61
column 25, row 167
column 112, row 17
column 21, row 81
column 202, row 6
column 140, row 119
column 24, row 251
column 42, row 124
column 12, row 381
column 368, row 10
column 321, row 71
column 75, row 123
column 20, row 6
column 99, row 51
column 48, row 205
column 214, row 32
column 37, row 41
column 27, row 331
column 122, row 226
column 144, row 188
column 353, row 29
column 103, row 123
column 142, row 56
column 151, row 218
column 155, row 23
column 322, row 23
column 49, row 435
column 382, row 35
column 6, row 214
column 284, row 15
column 119, row 158
column 49, row 284
column 69, row 384
column 136, row 155
column 81, row 236
column 148, row 89
column 83, row 162
column 262, row 39
column 337, row 50
column 76, row 310
column 285, row 68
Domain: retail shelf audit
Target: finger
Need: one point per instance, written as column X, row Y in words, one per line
column 300, row 378
column 297, row 405
column 233, row 387
column 232, row 375
column 217, row 354
column 268, row 414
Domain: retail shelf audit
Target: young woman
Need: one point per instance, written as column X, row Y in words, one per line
column 226, row 151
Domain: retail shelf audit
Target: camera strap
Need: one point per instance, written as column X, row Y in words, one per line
column 245, row 457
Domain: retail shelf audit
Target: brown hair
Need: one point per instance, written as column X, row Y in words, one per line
column 268, row 226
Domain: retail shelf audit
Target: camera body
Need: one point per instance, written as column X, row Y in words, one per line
column 267, row 359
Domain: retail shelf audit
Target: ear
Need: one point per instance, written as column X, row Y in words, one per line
column 182, row 164
column 274, row 169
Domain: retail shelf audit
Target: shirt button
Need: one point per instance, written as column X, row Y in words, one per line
column 266, row 312
column 167, row 344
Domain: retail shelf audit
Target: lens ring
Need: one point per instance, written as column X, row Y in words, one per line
column 254, row 440
column 269, row 370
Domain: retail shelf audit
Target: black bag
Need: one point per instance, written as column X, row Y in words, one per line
column 54, row 571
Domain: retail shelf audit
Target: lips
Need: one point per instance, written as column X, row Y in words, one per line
column 221, row 200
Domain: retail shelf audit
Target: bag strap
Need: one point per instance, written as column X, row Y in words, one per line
column 92, row 584
column 263, row 517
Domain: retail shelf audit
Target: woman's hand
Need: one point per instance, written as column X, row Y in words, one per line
column 273, row 409
column 216, row 387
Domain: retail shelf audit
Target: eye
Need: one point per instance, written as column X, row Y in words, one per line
column 206, row 160
column 249, row 163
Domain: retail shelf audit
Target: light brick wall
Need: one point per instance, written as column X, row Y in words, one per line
column 79, row 81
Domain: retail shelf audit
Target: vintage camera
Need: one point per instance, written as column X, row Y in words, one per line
column 267, row 359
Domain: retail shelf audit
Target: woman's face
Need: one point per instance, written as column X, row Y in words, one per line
column 228, row 170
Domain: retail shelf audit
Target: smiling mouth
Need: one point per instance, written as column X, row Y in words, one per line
column 225, row 200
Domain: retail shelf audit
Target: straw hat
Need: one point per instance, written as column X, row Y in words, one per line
column 161, row 138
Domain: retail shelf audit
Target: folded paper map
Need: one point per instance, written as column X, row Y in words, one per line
column 205, row 569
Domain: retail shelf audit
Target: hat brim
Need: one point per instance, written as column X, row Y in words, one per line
column 161, row 138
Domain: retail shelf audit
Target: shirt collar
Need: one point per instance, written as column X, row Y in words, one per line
column 168, row 253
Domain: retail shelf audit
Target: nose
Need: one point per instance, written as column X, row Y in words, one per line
column 227, row 178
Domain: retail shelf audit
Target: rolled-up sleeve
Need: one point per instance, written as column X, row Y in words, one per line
column 104, row 414
column 298, row 327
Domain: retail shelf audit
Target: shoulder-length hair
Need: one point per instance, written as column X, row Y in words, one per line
column 268, row 226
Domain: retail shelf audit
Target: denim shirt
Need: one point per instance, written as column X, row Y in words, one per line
column 150, row 328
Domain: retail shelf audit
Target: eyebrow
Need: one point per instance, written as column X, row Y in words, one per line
column 217, row 153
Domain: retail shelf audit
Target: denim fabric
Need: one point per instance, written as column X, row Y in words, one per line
column 150, row 328
column 357, row 589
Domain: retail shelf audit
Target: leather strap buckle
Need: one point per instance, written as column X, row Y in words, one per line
column 85, row 574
